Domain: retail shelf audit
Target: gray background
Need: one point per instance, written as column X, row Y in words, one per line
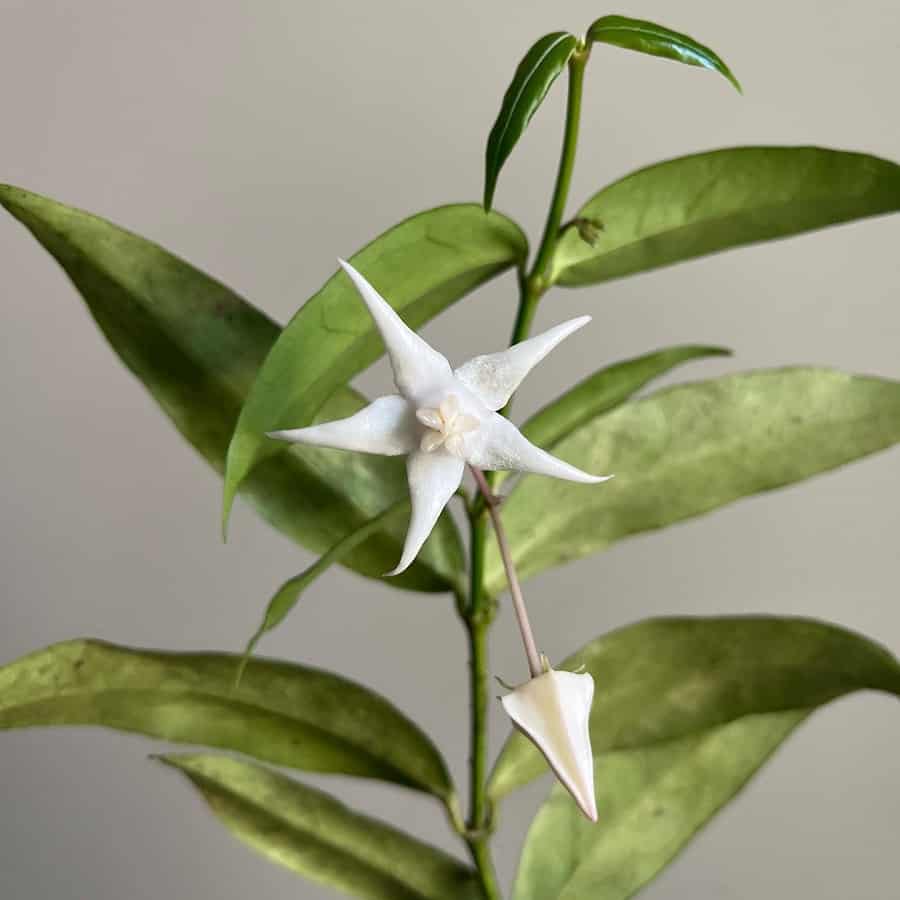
column 262, row 140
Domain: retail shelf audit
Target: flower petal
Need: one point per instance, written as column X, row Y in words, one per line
column 552, row 710
column 433, row 479
column 417, row 366
column 385, row 426
column 494, row 377
column 498, row 444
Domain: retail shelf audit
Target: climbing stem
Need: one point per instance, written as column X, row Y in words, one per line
column 477, row 610
column 534, row 284
column 577, row 63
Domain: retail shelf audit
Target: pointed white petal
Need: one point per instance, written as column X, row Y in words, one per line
column 385, row 426
column 494, row 377
column 498, row 444
column 433, row 479
column 553, row 710
column 417, row 366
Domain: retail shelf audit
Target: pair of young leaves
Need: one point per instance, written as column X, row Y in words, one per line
column 546, row 59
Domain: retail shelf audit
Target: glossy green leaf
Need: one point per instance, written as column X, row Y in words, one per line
column 285, row 714
column 197, row 348
column 652, row 801
column 657, row 40
column 690, row 449
column 536, row 73
column 665, row 679
column 700, row 204
column 316, row 836
column 421, row 266
column 606, row 389
column 287, row 596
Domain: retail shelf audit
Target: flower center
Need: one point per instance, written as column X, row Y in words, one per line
column 446, row 426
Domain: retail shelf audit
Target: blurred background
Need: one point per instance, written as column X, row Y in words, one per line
column 260, row 141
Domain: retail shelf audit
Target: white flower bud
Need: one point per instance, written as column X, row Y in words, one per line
column 552, row 710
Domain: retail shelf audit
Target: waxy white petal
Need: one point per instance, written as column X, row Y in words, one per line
column 417, row 366
column 498, row 444
column 494, row 377
column 385, row 426
column 433, row 479
column 553, row 710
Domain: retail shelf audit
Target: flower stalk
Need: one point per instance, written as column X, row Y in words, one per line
column 492, row 502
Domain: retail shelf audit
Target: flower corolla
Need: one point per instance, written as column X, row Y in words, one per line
column 441, row 418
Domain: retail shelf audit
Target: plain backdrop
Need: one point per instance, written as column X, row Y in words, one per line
column 262, row 140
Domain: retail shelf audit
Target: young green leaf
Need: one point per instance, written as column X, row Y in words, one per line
column 665, row 679
column 285, row 714
column 286, row 597
column 652, row 801
column 421, row 266
column 197, row 347
column 707, row 202
column 316, row 836
column 691, row 449
column 534, row 76
column 657, row 40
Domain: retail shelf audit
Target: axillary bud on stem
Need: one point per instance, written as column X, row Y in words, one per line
column 442, row 418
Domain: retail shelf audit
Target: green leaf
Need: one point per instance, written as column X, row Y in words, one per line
column 536, row 73
column 690, row 449
column 286, row 597
column 313, row 834
column 197, row 347
column 606, row 389
column 657, row 40
column 700, row 204
column 665, row 679
column 652, row 801
column 285, row 714
column 421, row 266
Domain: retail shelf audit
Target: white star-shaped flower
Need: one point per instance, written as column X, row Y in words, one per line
column 442, row 418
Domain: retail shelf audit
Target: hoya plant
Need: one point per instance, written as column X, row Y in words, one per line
column 649, row 730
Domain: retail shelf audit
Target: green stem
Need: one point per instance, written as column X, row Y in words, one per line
column 534, row 285
column 478, row 612
column 577, row 63
column 477, row 615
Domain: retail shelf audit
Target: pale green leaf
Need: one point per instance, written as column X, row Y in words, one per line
column 689, row 449
column 313, row 834
column 651, row 801
column 664, row 679
column 285, row 714
column 707, row 202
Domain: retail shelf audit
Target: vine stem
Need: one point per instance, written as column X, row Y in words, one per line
column 477, row 610
column 534, row 284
